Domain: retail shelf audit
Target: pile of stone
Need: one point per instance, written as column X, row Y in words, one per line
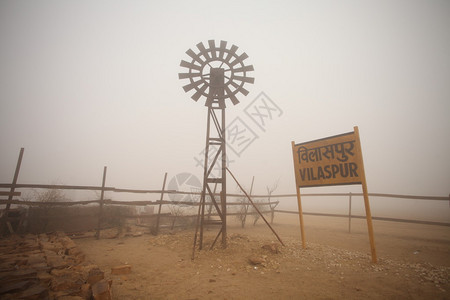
column 48, row 266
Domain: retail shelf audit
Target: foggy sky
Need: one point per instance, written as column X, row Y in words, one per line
column 87, row 84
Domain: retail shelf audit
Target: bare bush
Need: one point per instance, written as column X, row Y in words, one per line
column 41, row 216
column 176, row 211
column 242, row 211
column 272, row 205
column 263, row 208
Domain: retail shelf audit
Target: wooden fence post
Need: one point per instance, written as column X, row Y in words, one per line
column 16, row 175
column 100, row 215
column 246, row 205
column 12, row 189
column 272, row 209
column 350, row 212
column 160, row 205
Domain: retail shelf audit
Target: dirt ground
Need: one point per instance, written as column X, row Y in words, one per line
column 413, row 262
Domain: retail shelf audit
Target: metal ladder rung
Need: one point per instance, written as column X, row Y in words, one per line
column 214, row 180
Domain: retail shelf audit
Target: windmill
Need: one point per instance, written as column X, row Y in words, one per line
column 215, row 73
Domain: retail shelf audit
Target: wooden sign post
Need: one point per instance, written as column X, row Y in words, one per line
column 335, row 160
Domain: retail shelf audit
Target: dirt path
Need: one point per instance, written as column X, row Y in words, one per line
column 414, row 263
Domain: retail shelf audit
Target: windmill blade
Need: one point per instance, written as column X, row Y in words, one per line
column 188, row 75
column 200, row 92
column 192, row 85
column 239, row 88
column 222, row 48
column 194, row 56
column 243, row 56
column 234, row 99
column 203, row 51
column 212, row 47
column 239, row 59
column 244, row 69
column 190, row 65
column 245, row 79
column 243, row 91
column 231, row 95
column 231, row 52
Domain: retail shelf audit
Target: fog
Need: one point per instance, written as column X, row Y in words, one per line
column 88, row 84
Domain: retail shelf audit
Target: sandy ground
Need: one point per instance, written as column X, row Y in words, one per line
column 413, row 262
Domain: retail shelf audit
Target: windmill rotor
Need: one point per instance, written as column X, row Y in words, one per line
column 216, row 73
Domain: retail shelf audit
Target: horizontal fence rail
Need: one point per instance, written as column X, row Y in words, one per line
column 116, row 202
column 364, row 217
column 271, row 204
column 142, row 191
column 82, row 187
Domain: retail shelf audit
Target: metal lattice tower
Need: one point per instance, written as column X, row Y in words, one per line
column 216, row 74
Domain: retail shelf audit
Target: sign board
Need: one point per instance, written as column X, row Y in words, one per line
column 334, row 160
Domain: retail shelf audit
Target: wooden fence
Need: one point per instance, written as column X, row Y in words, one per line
column 271, row 205
column 103, row 188
column 102, row 201
column 380, row 218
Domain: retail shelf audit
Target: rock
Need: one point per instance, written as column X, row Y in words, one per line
column 25, row 264
column 49, row 246
column 66, row 280
column 121, row 270
column 29, row 245
column 95, row 275
column 43, row 237
column 239, row 237
column 35, row 259
column 22, row 274
column 56, row 261
column 43, row 267
column 256, row 260
column 273, row 248
column 67, row 243
column 14, row 287
column 60, row 234
column 102, row 290
column 44, row 278
column 34, row 292
column 76, row 255
column 60, row 284
column 86, row 291
column 60, row 272
column 74, row 252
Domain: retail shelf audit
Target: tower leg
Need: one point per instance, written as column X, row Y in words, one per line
column 215, row 140
column 223, row 197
